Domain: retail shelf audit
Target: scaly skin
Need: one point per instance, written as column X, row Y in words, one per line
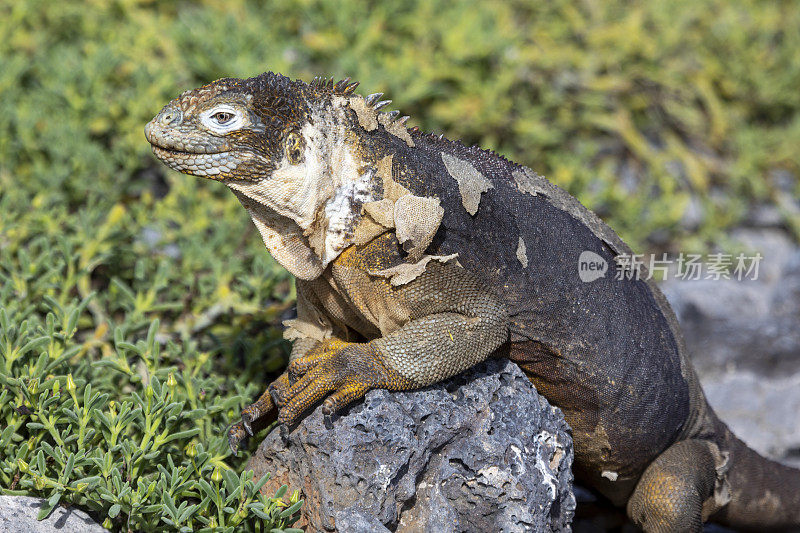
column 417, row 257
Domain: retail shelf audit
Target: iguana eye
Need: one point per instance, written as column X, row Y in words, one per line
column 222, row 117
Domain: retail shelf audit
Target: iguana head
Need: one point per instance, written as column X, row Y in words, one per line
column 288, row 150
column 236, row 129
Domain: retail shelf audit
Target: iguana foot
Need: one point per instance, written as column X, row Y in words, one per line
column 671, row 493
column 236, row 434
column 343, row 375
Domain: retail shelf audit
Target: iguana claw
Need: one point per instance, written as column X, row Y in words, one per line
column 236, row 434
column 341, row 376
column 246, row 425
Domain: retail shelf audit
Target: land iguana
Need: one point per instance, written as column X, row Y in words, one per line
column 416, row 257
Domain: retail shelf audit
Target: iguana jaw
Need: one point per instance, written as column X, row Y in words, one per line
column 321, row 196
column 214, row 165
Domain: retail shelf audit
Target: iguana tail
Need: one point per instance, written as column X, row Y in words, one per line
column 765, row 495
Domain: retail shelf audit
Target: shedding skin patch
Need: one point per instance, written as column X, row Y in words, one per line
column 391, row 189
column 529, row 182
column 366, row 230
column 342, row 213
column 408, row 272
column 471, row 183
column 284, row 239
column 365, row 114
column 395, row 128
column 417, row 219
column 381, row 211
column 610, row 475
column 722, row 486
column 378, row 215
column 522, row 255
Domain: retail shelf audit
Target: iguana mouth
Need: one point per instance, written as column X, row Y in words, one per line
column 168, row 143
column 170, row 154
column 213, row 165
column 172, row 151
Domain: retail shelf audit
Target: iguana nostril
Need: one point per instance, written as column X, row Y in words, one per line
column 171, row 117
column 159, row 127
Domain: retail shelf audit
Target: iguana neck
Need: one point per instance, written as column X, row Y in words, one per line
column 319, row 203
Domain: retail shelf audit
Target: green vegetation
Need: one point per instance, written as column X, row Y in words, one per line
column 139, row 308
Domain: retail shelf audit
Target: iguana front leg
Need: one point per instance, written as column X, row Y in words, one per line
column 455, row 322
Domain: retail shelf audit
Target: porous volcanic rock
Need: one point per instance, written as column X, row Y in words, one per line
column 479, row 452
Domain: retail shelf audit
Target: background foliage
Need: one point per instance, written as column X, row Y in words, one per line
column 671, row 119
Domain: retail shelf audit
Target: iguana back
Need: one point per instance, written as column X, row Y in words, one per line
column 602, row 350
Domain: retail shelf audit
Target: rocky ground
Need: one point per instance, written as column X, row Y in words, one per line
column 18, row 514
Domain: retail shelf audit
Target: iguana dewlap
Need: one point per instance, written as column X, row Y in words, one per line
column 417, row 257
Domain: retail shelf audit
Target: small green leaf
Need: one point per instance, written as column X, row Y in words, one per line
column 54, row 499
column 289, row 511
column 189, row 433
column 259, row 484
column 70, row 464
column 45, row 511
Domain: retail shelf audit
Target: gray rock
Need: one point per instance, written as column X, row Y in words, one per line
column 480, row 452
column 764, row 412
column 765, row 216
column 18, row 514
column 693, row 215
column 749, row 324
column 353, row 520
column 784, row 180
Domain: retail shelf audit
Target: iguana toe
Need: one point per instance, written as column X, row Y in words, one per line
column 236, row 434
column 246, row 425
column 343, row 397
column 249, row 414
column 302, row 366
column 256, row 416
column 278, row 389
column 310, row 389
